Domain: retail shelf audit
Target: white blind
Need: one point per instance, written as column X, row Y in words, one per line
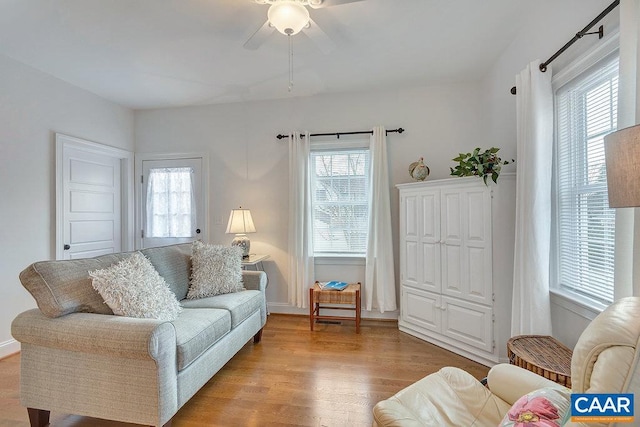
column 586, row 111
column 339, row 187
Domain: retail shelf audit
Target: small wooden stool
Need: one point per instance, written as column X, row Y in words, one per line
column 543, row 355
column 349, row 296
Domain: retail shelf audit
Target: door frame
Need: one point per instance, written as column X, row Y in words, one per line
column 126, row 158
column 140, row 157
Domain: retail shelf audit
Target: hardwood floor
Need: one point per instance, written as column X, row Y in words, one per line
column 294, row 377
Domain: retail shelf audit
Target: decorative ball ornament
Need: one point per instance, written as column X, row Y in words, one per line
column 418, row 170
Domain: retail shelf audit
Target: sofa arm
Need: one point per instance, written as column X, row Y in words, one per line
column 96, row 333
column 510, row 382
column 255, row 280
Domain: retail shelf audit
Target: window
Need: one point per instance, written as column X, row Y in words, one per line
column 340, row 188
column 170, row 202
column 586, row 111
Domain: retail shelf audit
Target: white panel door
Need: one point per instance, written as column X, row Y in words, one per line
column 172, row 201
column 92, row 203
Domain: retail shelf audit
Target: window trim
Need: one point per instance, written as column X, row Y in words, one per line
column 143, row 156
column 609, row 46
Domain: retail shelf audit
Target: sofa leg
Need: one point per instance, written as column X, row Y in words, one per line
column 38, row 417
column 257, row 337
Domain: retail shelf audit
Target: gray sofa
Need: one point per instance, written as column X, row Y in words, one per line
column 79, row 358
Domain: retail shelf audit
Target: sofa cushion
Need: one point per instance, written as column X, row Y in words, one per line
column 239, row 304
column 63, row 287
column 133, row 288
column 215, row 270
column 197, row 329
column 173, row 263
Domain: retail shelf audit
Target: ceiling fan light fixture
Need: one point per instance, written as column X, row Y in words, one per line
column 288, row 17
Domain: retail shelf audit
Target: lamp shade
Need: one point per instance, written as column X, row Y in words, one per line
column 622, row 154
column 289, row 17
column 240, row 222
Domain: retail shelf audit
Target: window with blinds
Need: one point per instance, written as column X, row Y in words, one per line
column 586, row 111
column 339, row 188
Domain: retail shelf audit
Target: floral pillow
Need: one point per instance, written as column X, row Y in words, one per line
column 545, row 407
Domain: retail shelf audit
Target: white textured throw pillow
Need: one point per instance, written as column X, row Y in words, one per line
column 215, row 270
column 134, row 288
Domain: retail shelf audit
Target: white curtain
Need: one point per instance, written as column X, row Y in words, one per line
column 379, row 282
column 171, row 210
column 301, row 274
column 531, row 311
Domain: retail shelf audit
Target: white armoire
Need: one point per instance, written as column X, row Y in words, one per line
column 456, row 264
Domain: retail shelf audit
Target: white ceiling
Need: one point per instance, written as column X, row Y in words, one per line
column 164, row 53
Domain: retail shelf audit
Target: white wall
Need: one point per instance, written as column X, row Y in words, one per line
column 33, row 106
column 249, row 166
column 550, row 27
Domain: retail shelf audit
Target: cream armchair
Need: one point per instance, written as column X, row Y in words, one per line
column 605, row 360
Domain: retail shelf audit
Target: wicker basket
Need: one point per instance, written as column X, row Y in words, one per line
column 543, row 355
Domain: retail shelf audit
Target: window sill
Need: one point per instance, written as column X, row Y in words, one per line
column 576, row 303
column 339, row 259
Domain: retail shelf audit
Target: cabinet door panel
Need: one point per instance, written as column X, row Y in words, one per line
column 450, row 217
column 431, row 267
column 477, row 280
column 477, row 217
column 409, row 249
column 421, row 308
column 430, row 240
column 479, row 288
column 468, row 322
column 430, row 216
column 452, row 270
column 411, row 217
column 410, row 275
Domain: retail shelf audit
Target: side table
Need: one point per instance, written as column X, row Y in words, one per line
column 255, row 261
column 348, row 296
column 542, row 354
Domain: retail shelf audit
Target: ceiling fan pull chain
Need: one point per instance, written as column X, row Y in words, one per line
column 290, row 63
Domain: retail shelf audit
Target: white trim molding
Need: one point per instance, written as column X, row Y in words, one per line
column 140, row 157
column 8, row 348
column 126, row 161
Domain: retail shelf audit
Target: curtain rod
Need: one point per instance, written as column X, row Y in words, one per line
column 579, row 35
column 337, row 134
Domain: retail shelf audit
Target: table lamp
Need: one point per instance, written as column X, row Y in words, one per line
column 622, row 156
column 241, row 223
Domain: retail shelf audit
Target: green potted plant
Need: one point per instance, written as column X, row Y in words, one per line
column 484, row 164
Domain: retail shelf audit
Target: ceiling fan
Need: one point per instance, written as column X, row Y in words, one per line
column 290, row 17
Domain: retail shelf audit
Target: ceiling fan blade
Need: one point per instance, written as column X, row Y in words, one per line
column 319, row 37
column 317, row 4
column 259, row 37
